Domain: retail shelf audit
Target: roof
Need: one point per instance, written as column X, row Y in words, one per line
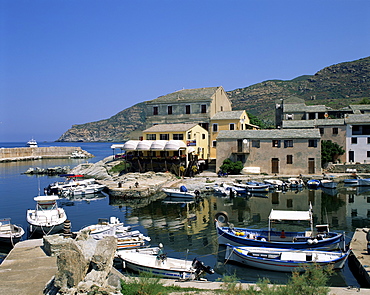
column 329, row 122
column 360, row 107
column 298, row 124
column 230, row 115
column 198, row 94
column 357, row 118
column 301, row 107
column 170, row 127
column 270, row 134
column 289, row 215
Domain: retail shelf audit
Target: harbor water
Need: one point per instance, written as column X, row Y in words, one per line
column 186, row 229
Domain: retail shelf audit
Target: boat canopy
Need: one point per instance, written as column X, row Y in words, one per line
column 290, row 215
column 46, row 198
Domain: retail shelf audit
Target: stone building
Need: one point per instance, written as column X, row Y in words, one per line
column 187, row 106
column 358, row 138
column 286, row 151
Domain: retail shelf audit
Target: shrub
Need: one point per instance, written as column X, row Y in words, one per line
column 231, row 167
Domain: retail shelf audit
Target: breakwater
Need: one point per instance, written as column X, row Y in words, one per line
column 36, row 153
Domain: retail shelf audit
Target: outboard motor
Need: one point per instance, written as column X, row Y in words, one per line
column 200, row 268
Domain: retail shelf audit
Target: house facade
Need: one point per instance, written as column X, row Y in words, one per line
column 231, row 120
column 187, row 106
column 286, row 151
column 358, row 138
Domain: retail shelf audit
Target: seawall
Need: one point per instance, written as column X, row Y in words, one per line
column 35, row 153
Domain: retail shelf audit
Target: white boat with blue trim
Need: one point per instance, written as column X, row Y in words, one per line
column 321, row 238
column 284, row 260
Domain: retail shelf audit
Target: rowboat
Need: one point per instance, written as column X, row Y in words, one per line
column 313, row 183
column 163, row 266
column 328, row 183
column 322, row 238
column 181, row 192
column 10, row 233
column 284, row 260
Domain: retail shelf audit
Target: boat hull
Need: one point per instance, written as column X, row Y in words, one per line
column 168, row 268
column 45, row 230
column 177, row 194
column 272, row 259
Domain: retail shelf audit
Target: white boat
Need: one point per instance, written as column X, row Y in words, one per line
column 71, row 181
column 228, row 190
column 253, row 186
column 47, row 218
column 82, row 189
column 78, row 155
column 328, row 183
column 10, row 233
column 284, row 260
column 295, row 182
column 277, row 183
column 32, row 143
column 182, row 192
column 163, row 266
column 126, row 239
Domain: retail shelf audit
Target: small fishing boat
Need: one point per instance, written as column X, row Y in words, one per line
column 181, row 192
column 328, row 183
column 72, row 180
column 126, row 239
column 10, row 233
column 313, row 183
column 351, row 181
column 82, row 189
column 322, row 238
column 295, row 182
column 47, row 218
column 284, row 260
column 228, row 190
column 253, row 186
column 276, row 183
column 163, row 266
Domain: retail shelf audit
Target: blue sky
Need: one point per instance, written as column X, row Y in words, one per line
column 66, row 62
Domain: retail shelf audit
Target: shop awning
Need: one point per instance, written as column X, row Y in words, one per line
column 144, row 145
column 158, row 145
column 174, row 145
column 131, row 145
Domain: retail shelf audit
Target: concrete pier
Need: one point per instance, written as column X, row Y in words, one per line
column 359, row 261
column 36, row 153
column 27, row 269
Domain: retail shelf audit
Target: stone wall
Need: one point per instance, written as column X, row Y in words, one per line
column 33, row 153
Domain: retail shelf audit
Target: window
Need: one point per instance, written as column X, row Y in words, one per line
column 368, row 140
column 155, row 111
column 276, row 143
column 232, row 126
column 214, row 143
column 151, row 137
column 203, row 108
column 368, row 154
column 214, row 127
column 169, row 110
column 187, row 109
column 289, row 159
column 203, row 136
column 312, row 143
column 335, row 130
column 288, row 143
column 178, row 136
column 189, row 135
column 354, row 140
column 256, row 143
column 164, row 136
column 222, row 108
column 321, row 131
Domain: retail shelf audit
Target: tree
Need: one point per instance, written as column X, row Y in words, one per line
column 231, row 167
column 330, row 151
column 255, row 121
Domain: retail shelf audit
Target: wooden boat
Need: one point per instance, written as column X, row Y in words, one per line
column 47, row 218
column 182, row 192
column 163, row 266
column 284, row 260
column 322, row 238
column 328, row 183
column 313, row 183
column 10, row 233
column 126, row 239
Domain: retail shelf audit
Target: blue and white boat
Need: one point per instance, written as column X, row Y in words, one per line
column 313, row 183
column 284, row 260
column 322, row 238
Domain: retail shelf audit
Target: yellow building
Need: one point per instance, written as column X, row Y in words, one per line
column 232, row 120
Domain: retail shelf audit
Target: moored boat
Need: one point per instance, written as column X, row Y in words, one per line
column 181, row 192
column 10, row 233
column 313, row 183
column 32, row 143
column 284, row 260
column 47, row 218
column 328, row 183
column 322, row 238
column 82, row 189
column 163, row 266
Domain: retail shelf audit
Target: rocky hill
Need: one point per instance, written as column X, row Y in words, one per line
column 335, row 86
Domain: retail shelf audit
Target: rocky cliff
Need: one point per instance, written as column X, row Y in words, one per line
column 335, row 86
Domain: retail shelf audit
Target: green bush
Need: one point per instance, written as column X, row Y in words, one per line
column 122, row 166
column 231, row 167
